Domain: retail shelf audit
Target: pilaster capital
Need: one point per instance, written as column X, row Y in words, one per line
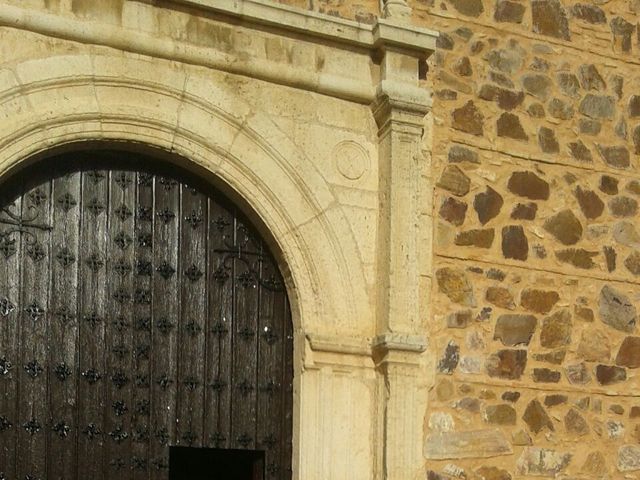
column 396, row 9
column 402, row 104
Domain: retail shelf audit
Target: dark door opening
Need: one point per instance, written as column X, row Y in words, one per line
column 187, row 463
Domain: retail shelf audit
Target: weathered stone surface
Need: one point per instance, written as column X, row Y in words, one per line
column 617, row 409
column 454, row 180
column 629, row 353
column 633, row 187
column 565, row 227
column 510, row 396
column 598, row 106
column 578, row 257
column 629, row 458
column 590, row 203
column 507, row 364
column 580, row 152
column 481, row 238
column 454, row 82
column 615, row 429
column 536, row 417
column 560, row 109
column 589, row 127
column 577, row 374
column 524, row 211
column 529, row 185
column 616, row 310
column 584, row 313
column 469, row 404
column 514, row 243
column 496, row 274
column 471, row 365
column 501, row 79
column 556, row 357
column 555, row 399
column 492, row 473
column 545, row 375
column 539, row 301
column 463, row 67
column 453, row 211
column 549, row 18
column 470, row 8
column 609, row 185
column 500, row 414
column 537, row 84
column 610, row 374
column 569, row 84
column 468, row 119
column 446, row 94
column 460, row 154
column 595, row 464
column 500, row 297
column 507, row 11
column 622, row 31
column 487, row 205
column 450, row 358
column 589, row 13
column 521, row 438
column 594, row 346
column 632, row 262
column 441, row 422
column 506, row 60
column 506, row 99
column 473, row 444
column 590, row 78
column 536, row 110
column 513, row 330
column 575, row 423
column 616, row 156
column 459, row 319
column 556, row 329
column 455, row 285
column 547, row 140
column 623, row 207
column 543, row 462
column 625, row 233
column 634, row 106
column 508, row 125
column 445, row 41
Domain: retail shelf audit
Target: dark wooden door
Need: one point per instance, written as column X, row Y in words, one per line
column 138, row 310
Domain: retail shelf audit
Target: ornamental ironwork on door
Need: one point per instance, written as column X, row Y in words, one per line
column 138, row 310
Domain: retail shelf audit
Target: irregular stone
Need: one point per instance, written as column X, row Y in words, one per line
column 633, row 187
column 590, row 78
column 463, row 67
column 623, row 206
column 507, row 364
column 454, row 82
column 625, row 233
column 468, row 119
column 636, row 140
column 470, row 8
column 547, row 140
column 506, row 99
column 460, row 154
column 484, row 315
column 565, row 227
column 555, row 357
column 454, row 180
column 537, row 84
column 609, row 374
column 469, row 404
column 487, row 205
column 575, row 423
column 583, row 313
column 508, row 125
column 556, row 329
column 524, row 211
column 590, row 203
column 445, row 41
column 472, row 365
column 471, row 444
column 476, row 47
column 508, row 60
column 589, row 127
column 609, row 185
column 556, row 399
column 616, row 310
column 496, row 274
column 616, row 156
column 580, row 152
column 634, row 106
column 578, row 257
column 501, row 79
column 450, row 358
column 539, row 301
column 492, row 473
column 441, row 422
column 569, row 84
column 510, row 396
column 529, row 185
column 595, row 464
column 500, row 297
column 431, row 475
column 481, row 238
column 514, row 243
column 559, row 109
column 545, row 375
column 536, row 110
column 549, row 18
column 629, row 353
column 521, row 438
column 595, row 232
column 507, row 11
column 617, row 84
column 459, row 319
column 513, row 330
column 615, row 429
column 455, row 285
column 535, row 416
column 446, row 94
column 577, row 374
column 634, row 412
column 622, row 31
column 588, row 13
column 539, row 65
column 598, row 106
column 500, row 414
column 542, row 462
column 617, row 409
column 464, row 33
column 621, row 128
column 632, row 262
column 629, row 458
column 539, row 251
column 594, row 346
column 453, row 211
column 444, row 390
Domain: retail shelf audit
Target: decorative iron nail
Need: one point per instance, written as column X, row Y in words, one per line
column 64, row 314
column 141, row 381
column 221, row 223
column 6, row 307
column 37, row 197
column 247, row 279
column 94, row 262
column 67, row 202
column 145, row 240
column 219, row 329
column 218, row 439
column 121, row 296
column 246, row 333
column 273, row 284
column 145, row 214
column 119, row 408
column 33, row 368
column 142, row 297
column 62, row 371
column 168, row 183
column 32, row 426
column 245, row 388
column 143, row 324
column 36, row 252
column 119, row 379
column 118, row 434
column 5, row 424
column 272, row 469
column 189, row 437
column 244, row 440
column 92, row 318
column 8, row 247
column 145, row 179
column 120, row 324
column 194, row 219
column 142, row 352
column 91, row 376
column 166, row 215
column 122, row 240
column 166, row 270
column 221, row 275
column 138, row 463
column 164, row 325
column 122, row 267
column 269, row 336
column 164, row 382
column 65, row 257
column 118, row 463
column 193, row 273
column 95, row 207
column 140, row 435
column 5, row 366
column 161, row 464
column 218, row 385
column 270, row 387
column 61, row 428
column 269, row 441
column 34, row 311
column 144, row 268
column 123, row 213
column 163, row 436
column 120, row 351
column 95, row 176
column 191, row 383
column 142, row 407
column 123, row 180
column 92, row 431
column 193, row 328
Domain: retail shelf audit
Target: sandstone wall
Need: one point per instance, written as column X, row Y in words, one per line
column 536, row 244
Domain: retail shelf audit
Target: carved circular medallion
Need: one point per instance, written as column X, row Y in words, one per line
column 351, row 159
